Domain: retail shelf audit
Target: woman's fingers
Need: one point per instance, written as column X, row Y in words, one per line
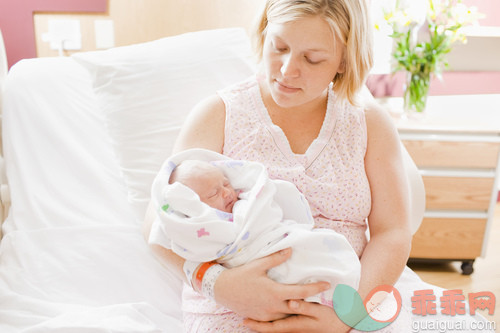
column 304, row 320
column 273, row 260
column 289, row 324
column 302, row 291
column 308, row 317
column 302, row 307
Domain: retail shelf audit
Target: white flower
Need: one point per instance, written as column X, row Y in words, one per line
column 405, row 14
column 416, row 10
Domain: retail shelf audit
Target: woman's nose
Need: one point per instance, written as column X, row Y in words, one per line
column 289, row 68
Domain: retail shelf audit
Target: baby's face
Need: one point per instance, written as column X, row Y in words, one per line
column 215, row 190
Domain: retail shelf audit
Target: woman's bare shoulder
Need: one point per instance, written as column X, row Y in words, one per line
column 378, row 120
column 375, row 115
column 204, row 126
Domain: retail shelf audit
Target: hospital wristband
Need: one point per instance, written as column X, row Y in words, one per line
column 208, row 280
column 200, row 273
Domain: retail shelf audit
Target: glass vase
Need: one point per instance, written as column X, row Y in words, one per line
column 415, row 93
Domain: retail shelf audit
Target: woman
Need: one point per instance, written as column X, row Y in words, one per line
column 300, row 117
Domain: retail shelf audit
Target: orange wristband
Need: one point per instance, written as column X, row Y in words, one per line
column 202, row 269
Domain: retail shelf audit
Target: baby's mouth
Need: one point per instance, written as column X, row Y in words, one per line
column 230, row 204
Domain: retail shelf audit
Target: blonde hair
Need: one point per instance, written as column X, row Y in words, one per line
column 349, row 20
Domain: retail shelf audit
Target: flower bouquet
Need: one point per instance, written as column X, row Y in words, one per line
column 424, row 32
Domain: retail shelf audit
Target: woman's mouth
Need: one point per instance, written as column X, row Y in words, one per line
column 286, row 88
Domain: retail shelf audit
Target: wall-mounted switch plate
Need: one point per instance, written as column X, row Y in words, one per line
column 64, row 34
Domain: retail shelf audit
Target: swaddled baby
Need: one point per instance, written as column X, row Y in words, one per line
column 231, row 212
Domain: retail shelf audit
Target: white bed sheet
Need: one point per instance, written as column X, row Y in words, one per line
column 73, row 258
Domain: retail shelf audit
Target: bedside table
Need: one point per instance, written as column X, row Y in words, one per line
column 455, row 146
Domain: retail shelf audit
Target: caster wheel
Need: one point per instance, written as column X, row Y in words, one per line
column 467, row 267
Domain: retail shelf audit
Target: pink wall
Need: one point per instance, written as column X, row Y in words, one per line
column 16, row 22
column 453, row 83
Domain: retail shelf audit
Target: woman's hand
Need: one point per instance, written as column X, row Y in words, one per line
column 309, row 317
column 248, row 291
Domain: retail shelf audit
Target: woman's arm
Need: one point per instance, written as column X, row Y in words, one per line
column 247, row 289
column 204, row 127
column 386, row 254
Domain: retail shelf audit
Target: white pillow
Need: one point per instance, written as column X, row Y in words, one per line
column 146, row 90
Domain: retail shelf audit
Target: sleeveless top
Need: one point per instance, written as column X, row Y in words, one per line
column 331, row 173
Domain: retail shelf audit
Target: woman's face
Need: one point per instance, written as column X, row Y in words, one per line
column 300, row 59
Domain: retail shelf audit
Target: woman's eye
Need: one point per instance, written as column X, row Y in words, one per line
column 312, row 61
column 279, row 47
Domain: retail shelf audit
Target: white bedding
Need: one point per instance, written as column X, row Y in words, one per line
column 83, row 138
column 73, row 258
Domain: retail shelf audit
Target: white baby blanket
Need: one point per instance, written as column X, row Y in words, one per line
column 271, row 215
